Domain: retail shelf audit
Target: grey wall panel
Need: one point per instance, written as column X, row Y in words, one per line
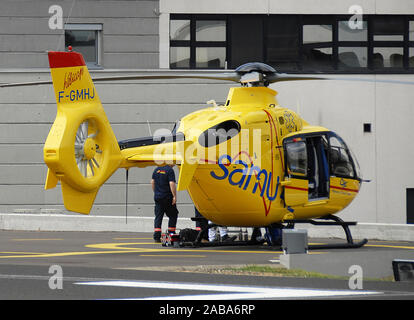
column 126, row 113
column 11, row 154
column 37, row 133
column 123, row 25
column 131, row 60
column 130, row 43
column 79, row 8
column 28, row 113
column 116, row 113
column 27, row 95
column 27, row 25
column 28, row 42
column 21, row 174
column 25, row 31
column 23, row 133
column 108, row 194
column 185, row 211
column 23, row 60
column 162, row 93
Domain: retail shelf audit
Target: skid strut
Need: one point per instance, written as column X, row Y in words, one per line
column 322, row 221
column 336, row 222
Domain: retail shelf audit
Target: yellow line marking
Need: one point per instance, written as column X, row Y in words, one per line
column 132, row 239
column 172, row 255
column 36, row 239
column 389, row 246
column 66, row 254
column 112, row 246
column 116, row 248
column 16, row 252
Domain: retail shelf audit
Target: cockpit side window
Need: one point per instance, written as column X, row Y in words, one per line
column 219, row 133
column 339, row 158
column 297, row 158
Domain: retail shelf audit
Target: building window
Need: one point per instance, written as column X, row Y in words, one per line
column 294, row 43
column 388, row 41
column 282, row 42
column 352, row 46
column 317, row 43
column 410, row 205
column 198, row 42
column 85, row 38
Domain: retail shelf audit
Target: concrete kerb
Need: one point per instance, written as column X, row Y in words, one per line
column 63, row 222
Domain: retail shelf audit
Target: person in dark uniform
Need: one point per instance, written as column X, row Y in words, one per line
column 165, row 198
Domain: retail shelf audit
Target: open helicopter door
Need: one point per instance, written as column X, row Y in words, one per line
column 307, row 169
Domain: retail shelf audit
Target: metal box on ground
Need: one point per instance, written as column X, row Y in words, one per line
column 294, row 241
column 403, row 270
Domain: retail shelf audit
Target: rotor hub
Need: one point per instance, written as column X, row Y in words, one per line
column 89, row 148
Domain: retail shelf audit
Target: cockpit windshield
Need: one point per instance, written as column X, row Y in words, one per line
column 341, row 160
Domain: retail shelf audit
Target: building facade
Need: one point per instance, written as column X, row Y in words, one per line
column 372, row 40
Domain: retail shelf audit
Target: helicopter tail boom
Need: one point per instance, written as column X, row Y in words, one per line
column 81, row 150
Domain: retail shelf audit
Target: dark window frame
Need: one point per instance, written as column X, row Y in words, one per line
column 192, row 43
column 369, row 44
column 97, row 28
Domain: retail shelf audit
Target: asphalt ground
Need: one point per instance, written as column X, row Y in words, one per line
column 38, row 265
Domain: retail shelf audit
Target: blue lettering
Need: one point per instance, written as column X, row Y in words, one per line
column 86, row 93
column 222, row 167
column 79, row 94
column 261, row 176
column 271, row 198
column 263, row 171
column 251, row 172
column 72, row 95
column 243, row 171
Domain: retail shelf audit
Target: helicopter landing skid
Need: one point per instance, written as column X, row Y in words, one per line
column 198, row 242
column 336, row 222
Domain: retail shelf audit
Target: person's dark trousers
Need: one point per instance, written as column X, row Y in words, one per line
column 164, row 206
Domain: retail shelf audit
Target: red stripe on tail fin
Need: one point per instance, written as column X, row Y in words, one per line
column 65, row 59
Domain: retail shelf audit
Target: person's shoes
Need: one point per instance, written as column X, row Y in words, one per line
column 226, row 238
column 157, row 240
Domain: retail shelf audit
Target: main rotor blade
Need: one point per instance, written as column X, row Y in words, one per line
column 233, row 76
column 22, row 84
column 279, row 77
column 214, row 76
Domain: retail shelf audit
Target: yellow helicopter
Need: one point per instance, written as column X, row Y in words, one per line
column 247, row 163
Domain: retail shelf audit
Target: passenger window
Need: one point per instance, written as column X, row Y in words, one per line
column 219, row 133
column 297, row 158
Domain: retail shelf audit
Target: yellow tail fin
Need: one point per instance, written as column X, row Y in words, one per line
column 81, row 149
